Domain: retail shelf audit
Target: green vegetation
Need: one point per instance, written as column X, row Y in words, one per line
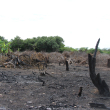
column 107, row 51
column 44, row 43
column 67, row 49
column 3, row 39
column 4, row 48
column 16, row 43
column 83, row 49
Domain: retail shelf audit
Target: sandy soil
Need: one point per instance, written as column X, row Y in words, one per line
column 22, row 89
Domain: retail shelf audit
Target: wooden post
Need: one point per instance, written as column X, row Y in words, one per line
column 67, row 66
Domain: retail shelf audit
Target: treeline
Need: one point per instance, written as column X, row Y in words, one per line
column 85, row 49
column 44, row 43
column 47, row 44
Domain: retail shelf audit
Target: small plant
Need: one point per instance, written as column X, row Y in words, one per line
column 4, row 48
column 83, row 49
column 70, row 49
column 91, row 50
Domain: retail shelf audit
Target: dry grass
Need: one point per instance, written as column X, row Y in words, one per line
column 78, row 58
column 55, row 57
column 66, row 54
column 3, row 59
column 101, row 60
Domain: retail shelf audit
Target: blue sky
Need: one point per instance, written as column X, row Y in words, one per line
column 79, row 22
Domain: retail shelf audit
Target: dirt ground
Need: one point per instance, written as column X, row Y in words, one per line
column 23, row 89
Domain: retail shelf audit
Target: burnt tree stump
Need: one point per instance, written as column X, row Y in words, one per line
column 108, row 63
column 96, row 79
column 67, row 66
column 80, row 91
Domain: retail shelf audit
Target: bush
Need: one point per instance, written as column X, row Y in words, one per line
column 83, row 49
column 70, row 49
column 91, row 50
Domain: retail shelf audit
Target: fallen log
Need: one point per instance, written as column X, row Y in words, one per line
column 96, row 79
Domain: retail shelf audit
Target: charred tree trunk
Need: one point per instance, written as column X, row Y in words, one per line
column 96, row 79
column 67, row 66
column 108, row 63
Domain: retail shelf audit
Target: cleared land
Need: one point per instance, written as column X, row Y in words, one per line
column 22, row 89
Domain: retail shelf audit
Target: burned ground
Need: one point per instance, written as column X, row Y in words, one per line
column 20, row 89
column 23, row 88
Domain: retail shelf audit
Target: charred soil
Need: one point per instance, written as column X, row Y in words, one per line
column 23, row 89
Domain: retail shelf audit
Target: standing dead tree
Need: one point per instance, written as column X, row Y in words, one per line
column 96, row 79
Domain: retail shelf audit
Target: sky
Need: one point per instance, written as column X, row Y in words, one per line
column 79, row 22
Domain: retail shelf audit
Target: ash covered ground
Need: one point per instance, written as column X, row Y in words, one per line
column 23, row 89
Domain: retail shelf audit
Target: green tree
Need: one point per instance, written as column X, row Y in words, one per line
column 41, row 43
column 44, row 43
column 52, row 44
column 49, row 44
column 3, row 39
column 29, row 44
column 59, row 41
column 16, row 43
column 83, row 49
column 91, row 50
column 105, row 50
column 4, row 48
column 70, row 49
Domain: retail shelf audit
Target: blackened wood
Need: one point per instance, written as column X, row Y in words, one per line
column 96, row 79
column 108, row 63
column 96, row 48
column 98, row 105
column 42, row 73
column 80, row 91
column 67, row 66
